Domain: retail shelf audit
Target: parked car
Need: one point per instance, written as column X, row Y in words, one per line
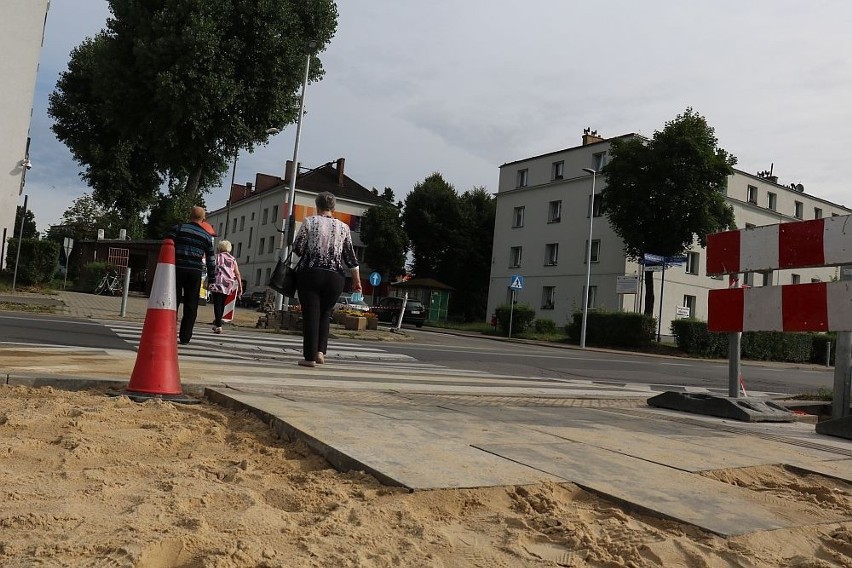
column 345, row 302
column 253, row 298
column 388, row 311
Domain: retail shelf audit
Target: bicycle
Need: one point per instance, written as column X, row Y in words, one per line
column 109, row 283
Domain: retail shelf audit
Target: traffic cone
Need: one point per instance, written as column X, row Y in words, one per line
column 230, row 306
column 156, row 373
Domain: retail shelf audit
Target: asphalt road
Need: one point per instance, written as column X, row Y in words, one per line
column 478, row 354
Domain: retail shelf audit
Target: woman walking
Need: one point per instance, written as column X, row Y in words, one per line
column 228, row 279
column 324, row 247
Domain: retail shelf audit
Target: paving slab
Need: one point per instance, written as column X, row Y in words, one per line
column 838, row 469
column 714, row 506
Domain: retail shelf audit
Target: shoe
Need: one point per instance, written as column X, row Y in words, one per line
column 217, row 330
column 182, row 342
column 320, row 358
column 307, row 363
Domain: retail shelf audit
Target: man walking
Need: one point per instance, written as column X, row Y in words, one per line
column 192, row 243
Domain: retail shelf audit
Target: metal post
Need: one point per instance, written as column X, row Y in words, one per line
column 511, row 312
column 588, row 260
column 125, row 292
column 402, row 311
column 20, row 238
column 662, row 287
column 285, row 246
column 734, row 369
column 842, row 365
column 828, row 353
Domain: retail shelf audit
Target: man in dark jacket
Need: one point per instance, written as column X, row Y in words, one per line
column 192, row 243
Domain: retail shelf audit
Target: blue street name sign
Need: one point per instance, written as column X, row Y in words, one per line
column 516, row 282
column 375, row 279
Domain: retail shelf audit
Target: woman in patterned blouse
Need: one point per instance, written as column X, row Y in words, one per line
column 324, row 247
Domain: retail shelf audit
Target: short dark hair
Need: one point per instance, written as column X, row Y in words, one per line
column 326, row 201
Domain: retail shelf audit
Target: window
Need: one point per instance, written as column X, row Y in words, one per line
column 274, row 213
column 689, row 302
column 795, row 279
column 766, row 277
column 751, row 193
column 598, row 161
column 251, row 232
column 748, row 279
column 692, row 259
column 265, row 216
column 557, row 171
column 596, row 250
column 817, row 213
column 355, row 223
column 518, row 218
column 234, row 227
column 268, row 274
column 554, row 212
column 252, row 215
column 242, row 222
column 239, row 249
column 597, row 208
column 815, row 280
column 515, row 254
column 773, row 200
column 220, row 229
column 257, row 277
column 261, row 246
column 798, row 211
column 593, row 296
column 523, row 177
column 551, row 254
column 548, row 297
column 750, row 226
column 271, row 244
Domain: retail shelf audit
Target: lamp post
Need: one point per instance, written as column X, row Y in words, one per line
column 588, row 259
column 270, row 131
column 310, row 49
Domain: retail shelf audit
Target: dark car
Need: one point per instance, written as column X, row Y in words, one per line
column 388, row 310
column 252, row 298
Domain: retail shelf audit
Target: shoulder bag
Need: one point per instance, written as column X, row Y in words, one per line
column 283, row 278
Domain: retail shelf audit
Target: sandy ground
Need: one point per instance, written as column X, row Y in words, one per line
column 89, row 480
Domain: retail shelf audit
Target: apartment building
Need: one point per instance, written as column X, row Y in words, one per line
column 541, row 233
column 21, row 39
column 254, row 216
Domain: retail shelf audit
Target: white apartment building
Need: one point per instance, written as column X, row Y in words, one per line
column 254, row 215
column 541, row 233
column 21, row 38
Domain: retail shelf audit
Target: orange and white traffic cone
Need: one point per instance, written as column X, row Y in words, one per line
column 156, row 373
column 230, row 306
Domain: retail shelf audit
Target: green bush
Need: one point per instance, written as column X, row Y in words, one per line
column 544, row 325
column 613, row 329
column 522, row 316
column 693, row 337
column 39, row 260
column 90, row 275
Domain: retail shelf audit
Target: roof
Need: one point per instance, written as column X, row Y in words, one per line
column 606, row 140
column 422, row 283
column 324, row 178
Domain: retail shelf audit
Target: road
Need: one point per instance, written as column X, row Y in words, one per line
column 481, row 355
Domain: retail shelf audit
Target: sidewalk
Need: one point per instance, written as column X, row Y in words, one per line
column 453, row 434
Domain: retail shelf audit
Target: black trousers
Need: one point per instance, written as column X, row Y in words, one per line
column 218, row 300
column 188, row 288
column 318, row 292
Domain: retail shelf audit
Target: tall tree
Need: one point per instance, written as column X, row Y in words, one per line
column 171, row 90
column 432, row 220
column 28, row 219
column 663, row 193
column 384, row 239
column 471, row 274
column 85, row 216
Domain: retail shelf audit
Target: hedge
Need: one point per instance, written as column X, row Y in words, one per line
column 613, row 329
column 522, row 316
column 39, row 260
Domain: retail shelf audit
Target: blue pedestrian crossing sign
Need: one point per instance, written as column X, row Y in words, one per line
column 375, row 279
column 516, row 282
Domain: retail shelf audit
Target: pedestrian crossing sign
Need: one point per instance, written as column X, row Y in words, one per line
column 516, row 282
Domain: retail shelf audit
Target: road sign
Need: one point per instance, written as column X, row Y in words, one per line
column 516, row 282
column 675, row 260
column 653, row 268
column 68, row 245
column 375, row 278
column 649, row 258
column 626, row 284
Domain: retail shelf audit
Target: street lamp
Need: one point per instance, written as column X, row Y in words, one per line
column 310, row 49
column 588, row 259
column 269, row 131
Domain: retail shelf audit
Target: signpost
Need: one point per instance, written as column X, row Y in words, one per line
column 375, row 280
column 658, row 263
column 68, row 245
column 516, row 282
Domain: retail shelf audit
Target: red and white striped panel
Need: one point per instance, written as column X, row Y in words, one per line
column 230, row 306
column 801, row 244
column 818, row 306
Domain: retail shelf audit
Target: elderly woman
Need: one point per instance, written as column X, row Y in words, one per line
column 227, row 279
column 324, row 246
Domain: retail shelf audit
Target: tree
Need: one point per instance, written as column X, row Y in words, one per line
column 663, row 193
column 85, row 216
column 30, row 231
column 471, row 274
column 170, row 91
column 385, row 241
column 432, row 220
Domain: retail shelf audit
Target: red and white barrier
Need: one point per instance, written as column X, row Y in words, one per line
column 230, row 306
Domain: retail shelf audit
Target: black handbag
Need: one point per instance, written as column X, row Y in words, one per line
column 283, row 278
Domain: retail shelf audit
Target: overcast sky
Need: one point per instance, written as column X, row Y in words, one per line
column 463, row 86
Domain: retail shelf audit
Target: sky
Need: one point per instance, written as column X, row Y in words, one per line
column 460, row 87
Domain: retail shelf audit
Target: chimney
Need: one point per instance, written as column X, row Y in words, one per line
column 340, row 162
column 249, row 188
column 122, row 234
column 590, row 137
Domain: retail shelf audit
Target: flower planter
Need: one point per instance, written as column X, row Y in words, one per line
column 355, row 323
column 291, row 321
column 372, row 323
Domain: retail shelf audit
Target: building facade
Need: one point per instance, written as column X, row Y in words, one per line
column 541, row 233
column 254, row 216
column 21, row 38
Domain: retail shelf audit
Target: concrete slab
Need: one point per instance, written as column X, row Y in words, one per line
column 662, row 491
column 838, row 469
column 397, row 452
